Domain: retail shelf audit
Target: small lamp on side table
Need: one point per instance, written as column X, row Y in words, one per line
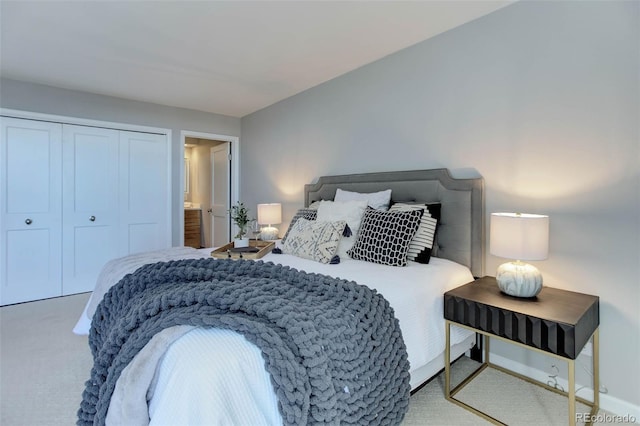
column 519, row 236
column 269, row 214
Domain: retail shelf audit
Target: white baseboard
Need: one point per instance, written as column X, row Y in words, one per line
column 608, row 403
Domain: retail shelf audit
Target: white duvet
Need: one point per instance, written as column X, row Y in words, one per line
column 210, row 376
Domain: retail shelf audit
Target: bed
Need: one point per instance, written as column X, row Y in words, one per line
column 201, row 375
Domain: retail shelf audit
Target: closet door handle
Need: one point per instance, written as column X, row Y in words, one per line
column 92, row 218
column 28, row 221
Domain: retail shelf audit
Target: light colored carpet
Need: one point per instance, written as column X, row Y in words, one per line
column 43, row 367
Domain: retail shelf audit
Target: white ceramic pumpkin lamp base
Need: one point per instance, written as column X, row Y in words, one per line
column 519, row 279
column 269, row 233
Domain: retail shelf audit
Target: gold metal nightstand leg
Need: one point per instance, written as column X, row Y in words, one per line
column 572, row 392
column 447, row 360
column 596, row 373
column 596, row 370
column 486, row 340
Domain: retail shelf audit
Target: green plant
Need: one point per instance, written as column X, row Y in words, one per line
column 240, row 216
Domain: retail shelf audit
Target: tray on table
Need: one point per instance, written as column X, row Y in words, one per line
column 256, row 250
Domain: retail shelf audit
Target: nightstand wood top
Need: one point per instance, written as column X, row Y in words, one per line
column 551, row 304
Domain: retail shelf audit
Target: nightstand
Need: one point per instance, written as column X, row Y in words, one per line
column 557, row 323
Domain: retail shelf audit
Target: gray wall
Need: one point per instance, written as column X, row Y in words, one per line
column 50, row 100
column 540, row 98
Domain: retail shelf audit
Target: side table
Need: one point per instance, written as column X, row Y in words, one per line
column 557, row 323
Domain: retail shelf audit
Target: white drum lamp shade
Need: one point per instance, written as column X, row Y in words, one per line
column 519, row 236
column 269, row 214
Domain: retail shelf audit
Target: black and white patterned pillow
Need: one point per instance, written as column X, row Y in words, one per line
column 422, row 243
column 309, row 214
column 384, row 237
column 314, row 240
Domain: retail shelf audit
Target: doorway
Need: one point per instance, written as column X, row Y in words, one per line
column 209, row 178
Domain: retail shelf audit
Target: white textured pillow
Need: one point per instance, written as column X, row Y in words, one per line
column 349, row 211
column 311, row 239
column 377, row 200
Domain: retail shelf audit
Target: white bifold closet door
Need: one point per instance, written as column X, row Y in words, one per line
column 31, row 211
column 144, row 192
column 90, row 221
column 73, row 198
column 115, row 199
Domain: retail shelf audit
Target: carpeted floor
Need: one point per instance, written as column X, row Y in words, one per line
column 43, row 367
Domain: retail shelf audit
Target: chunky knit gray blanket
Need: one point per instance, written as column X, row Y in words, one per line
column 333, row 348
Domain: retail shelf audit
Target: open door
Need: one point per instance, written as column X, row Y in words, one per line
column 220, row 194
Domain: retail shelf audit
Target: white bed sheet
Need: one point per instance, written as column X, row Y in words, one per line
column 178, row 394
column 231, row 388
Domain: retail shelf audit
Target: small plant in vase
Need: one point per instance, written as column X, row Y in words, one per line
column 240, row 216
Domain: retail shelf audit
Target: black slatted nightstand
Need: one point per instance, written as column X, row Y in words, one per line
column 557, row 322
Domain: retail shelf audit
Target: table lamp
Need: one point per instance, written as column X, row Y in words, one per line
column 269, row 214
column 519, row 236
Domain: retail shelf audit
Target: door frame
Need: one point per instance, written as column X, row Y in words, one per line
column 235, row 168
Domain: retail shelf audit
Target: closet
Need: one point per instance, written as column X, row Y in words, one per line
column 72, row 198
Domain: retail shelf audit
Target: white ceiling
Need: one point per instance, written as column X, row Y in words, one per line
column 225, row 57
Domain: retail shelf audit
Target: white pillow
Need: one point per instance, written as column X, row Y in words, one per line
column 377, row 200
column 349, row 211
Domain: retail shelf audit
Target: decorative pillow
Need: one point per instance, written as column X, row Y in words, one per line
column 384, row 237
column 309, row 214
column 349, row 211
column 314, row 240
column 422, row 243
column 435, row 210
column 378, row 200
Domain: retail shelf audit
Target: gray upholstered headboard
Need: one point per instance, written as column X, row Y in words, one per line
column 461, row 232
